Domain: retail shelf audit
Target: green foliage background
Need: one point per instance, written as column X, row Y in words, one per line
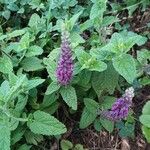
column 30, row 37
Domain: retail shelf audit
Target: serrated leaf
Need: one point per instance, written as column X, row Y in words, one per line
column 16, row 33
column 107, row 102
column 98, row 9
column 108, row 125
column 74, row 18
column 34, row 83
column 34, row 20
column 21, row 103
column 45, row 124
column 91, row 105
column 125, row 66
column 89, row 62
column 68, row 94
column 54, row 86
column 24, row 41
column 51, row 69
column 34, row 51
column 32, row 64
column 5, row 135
column 17, row 135
column 87, row 118
column 6, row 65
column 106, row 80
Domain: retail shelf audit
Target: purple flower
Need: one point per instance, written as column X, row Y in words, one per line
column 64, row 70
column 120, row 108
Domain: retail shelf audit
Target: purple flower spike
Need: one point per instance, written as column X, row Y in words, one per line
column 120, row 108
column 64, row 70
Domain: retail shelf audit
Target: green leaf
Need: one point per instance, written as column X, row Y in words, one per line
column 25, row 147
column 87, row 118
column 34, row 20
column 68, row 94
column 146, row 132
column 45, row 124
column 5, row 135
column 145, row 120
column 97, row 125
column 91, row 105
column 34, row 83
column 98, row 9
column 107, row 102
column 16, row 33
column 24, row 41
column 6, row 65
column 78, row 147
column 89, row 62
column 51, row 69
column 126, row 130
column 48, row 100
column 74, row 18
column 6, row 14
column 125, row 66
column 66, row 145
column 32, row 64
column 32, row 138
column 54, row 86
column 143, row 55
column 106, row 80
column 108, row 125
column 34, row 51
column 146, row 108
column 124, row 41
column 17, row 135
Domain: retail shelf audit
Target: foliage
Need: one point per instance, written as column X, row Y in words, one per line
column 32, row 102
column 144, row 119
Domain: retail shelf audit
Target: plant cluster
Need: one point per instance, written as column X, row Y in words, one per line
column 59, row 55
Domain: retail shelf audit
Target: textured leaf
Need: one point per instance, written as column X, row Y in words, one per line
column 74, row 19
column 125, row 65
column 68, row 94
column 16, row 33
column 107, row 102
column 45, row 124
column 24, row 41
column 34, row 83
column 32, row 64
column 34, row 51
column 106, row 80
column 108, row 125
column 54, row 86
column 87, row 118
column 98, row 9
column 5, row 135
column 6, row 64
column 34, row 20
column 91, row 105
